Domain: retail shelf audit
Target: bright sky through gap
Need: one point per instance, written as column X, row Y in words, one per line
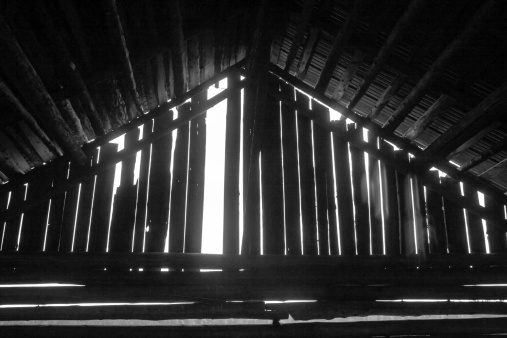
column 212, row 227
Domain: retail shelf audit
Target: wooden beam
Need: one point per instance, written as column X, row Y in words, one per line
column 495, row 149
column 437, row 68
column 15, row 63
column 476, row 119
column 474, row 139
column 386, row 96
column 338, row 47
column 309, row 49
column 437, row 108
column 348, row 75
column 11, row 156
column 306, row 13
column 178, row 49
column 387, row 48
column 117, row 29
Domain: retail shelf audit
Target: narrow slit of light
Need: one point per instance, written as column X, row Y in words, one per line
column 21, row 220
column 5, row 223
column 336, row 196
column 241, row 154
column 188, row 125
column 117, row 177
column 465, row 217
column 47, row 225
column 353, row 192
column 260, row 203
column 283, row 181
column 145, row 222
column 91, row 304
column 299, row 182
column 174, row 135
column 366, row 158
column 76, row 218
column 137, row 169
column 414, row 216
column 317, row 225
column 38, row 285
column 381, row 193
column 92, row 204
column 482, row 203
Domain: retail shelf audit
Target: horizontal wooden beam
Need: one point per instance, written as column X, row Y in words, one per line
column 495, row 149
column 442, row 327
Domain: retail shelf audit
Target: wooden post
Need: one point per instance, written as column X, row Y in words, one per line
column 179, row 187
column 160, row 187
column 344, row 192
column 142, row 190
column 15, row 62
column 99, row 227
column 454, row 218
column 321, row 148
column 390, row 203
column 231, row 171
column 307, row 180
column 362, row 225
column 195, row 193
column 436, row 221
column 271, row 175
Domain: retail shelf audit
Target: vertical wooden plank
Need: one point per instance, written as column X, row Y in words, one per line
column 4, row 199
column 160, row 79
column 454, row 218
column 124, row 206
column 360, row 195
column 85, row 210
column 179, row 187
column 307, row 180
column 35, row 220
column 290, row 173
column 160, row 187
column 321, row 148
column 101, row 210
column 496, row 235
column 69, row 213
column 475, row 228
column 436, row 220
column 142, row 190
column 13, row 225
column 390, row 204
column 251, row 182
column 231, row 173
column 344, row 191
column 419, row 214
column 271, row 175
column 375, row 205
column 57, row 208
column 195, row 202
column 405, row 212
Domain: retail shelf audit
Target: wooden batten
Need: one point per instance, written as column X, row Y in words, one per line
column 307, row 180
column 436, row 221
column 231, row 173
column 387, row 48
column 99, row 227
column 160, row 187
column 454, row 218
column 390, row 203
column 344, row 191
column 271, row 175
column 386, row 96
column 321, row 146
column 290, row 173
column 179, row 186
column 475, row 228
column 142, row 190
column 195, row 193
column 16, row 64
column 338, row 47
column 360, row 193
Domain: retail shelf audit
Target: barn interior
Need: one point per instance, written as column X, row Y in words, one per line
column 361, row 182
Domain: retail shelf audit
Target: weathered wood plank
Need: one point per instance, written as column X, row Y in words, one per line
column 55, row 220
column 331, row 201
column 309, row 49
column 69, row 212
column 142, row 191
column 360, row 193
column 307, row 180
column 375, row 205
column 12, row 227
column 231, row 171
column 387, row 95
column 159, row 187
column 20, row 142
column 390, row 204
column 321, row 151
column 178, row 49
column 405, row 210
column 344, row 192
column 195, row 193
column 496, row 236
column 11, row 155
column 419, row 211
column 272, row 176
column 99, row 227
column 475, row 228
column 454, row 218
column 159, row 73
column 436, row 220
column 348, row 75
